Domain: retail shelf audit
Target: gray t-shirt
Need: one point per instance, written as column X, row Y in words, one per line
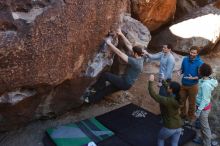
column 135, row 67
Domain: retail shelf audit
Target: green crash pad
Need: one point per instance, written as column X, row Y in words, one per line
column 79, row 133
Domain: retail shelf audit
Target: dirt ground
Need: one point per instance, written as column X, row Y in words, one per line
column 32, row 134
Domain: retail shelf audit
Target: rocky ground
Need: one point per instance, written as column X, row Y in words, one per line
column 32, row 134
column 31, row 55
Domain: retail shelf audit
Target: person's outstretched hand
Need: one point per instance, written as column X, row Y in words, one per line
column 151, row 78
column 145, row 52
column 179, row 72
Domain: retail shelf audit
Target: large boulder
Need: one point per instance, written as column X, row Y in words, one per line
column 184, row 7
column 51, row 48
column 153, row 14
column 200, row 28
column 45, row 47
column 135, row 31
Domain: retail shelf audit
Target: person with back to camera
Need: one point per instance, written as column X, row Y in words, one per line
column 117, row 82
column 203, row 103
column 169, row 111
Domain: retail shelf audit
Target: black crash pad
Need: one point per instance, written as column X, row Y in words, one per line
column 138, row 130
column 133, row 126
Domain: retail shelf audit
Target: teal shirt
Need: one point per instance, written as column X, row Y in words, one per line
column 135, row 67
column 169, row 108
column 206, row 86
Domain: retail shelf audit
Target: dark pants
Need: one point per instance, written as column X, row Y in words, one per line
column 116, row 83
column 162, row 92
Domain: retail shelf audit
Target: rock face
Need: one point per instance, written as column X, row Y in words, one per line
column 135, row 31
column 187, row 6
column 45, row 47
column 52, row 48
column 200, row 28
column 153, row 13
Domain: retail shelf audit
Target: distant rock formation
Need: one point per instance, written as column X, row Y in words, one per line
column 199, row 28
column 153, row 13
column 187, row 6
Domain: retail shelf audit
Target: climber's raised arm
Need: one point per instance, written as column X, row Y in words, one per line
column 126, row 41
column 122, row 55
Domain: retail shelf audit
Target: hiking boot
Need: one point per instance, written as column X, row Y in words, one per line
column 198, row 140
column 214, row 143
column 88, row 94
column 188, row 123
column 86, row 99
column 92, row 91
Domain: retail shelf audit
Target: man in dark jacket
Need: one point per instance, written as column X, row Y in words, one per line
column 189, row 69
column 169, row 111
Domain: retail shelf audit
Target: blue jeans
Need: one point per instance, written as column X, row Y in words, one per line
column 165, row 133
column 205, row 129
